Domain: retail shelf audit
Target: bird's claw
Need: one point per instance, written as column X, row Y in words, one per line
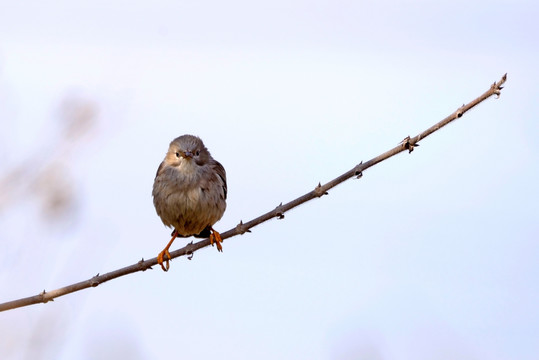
column 160, row 259
column 162, row 254
column 215, row 237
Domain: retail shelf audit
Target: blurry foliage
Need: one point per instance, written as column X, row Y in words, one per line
column 49, row 184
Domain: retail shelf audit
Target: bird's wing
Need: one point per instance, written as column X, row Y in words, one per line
column 160, row 169
column 220, row 170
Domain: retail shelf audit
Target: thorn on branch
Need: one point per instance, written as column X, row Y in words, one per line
column 319, row 191
column 242, row 229
column 43, row 297
column 141, row 263
column 279, row 213
column 358, row 172
column 94, row 282
column 188, row 252
column 460, row 111
column 408, row 145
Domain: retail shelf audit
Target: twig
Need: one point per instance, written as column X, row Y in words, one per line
column 407, row 144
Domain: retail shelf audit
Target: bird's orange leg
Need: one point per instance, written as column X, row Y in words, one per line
column 215, row 237
column 160, row 257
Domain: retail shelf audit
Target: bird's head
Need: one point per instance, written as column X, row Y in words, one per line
column 187, row 152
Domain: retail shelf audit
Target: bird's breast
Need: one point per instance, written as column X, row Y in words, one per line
column 184, row 204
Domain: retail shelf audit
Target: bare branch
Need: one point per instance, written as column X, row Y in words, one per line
column 409, row 143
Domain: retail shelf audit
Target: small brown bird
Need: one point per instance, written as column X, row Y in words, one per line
column 189, row 192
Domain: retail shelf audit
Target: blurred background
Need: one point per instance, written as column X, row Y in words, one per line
column 431, row 255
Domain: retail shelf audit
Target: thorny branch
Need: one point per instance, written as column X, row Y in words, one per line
column 409, row 143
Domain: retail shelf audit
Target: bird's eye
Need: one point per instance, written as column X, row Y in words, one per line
column 177, row 154
column 197, row 153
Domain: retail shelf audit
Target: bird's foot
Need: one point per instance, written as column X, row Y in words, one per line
column 215, row 237
column 161, row 257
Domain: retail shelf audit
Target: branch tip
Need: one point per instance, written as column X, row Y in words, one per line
column 497, row 86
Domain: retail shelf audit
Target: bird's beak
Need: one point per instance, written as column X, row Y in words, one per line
column 188, row 154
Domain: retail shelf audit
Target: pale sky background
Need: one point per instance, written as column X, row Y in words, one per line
column 432, row 255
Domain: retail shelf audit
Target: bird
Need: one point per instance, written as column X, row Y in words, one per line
column 189, row 193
